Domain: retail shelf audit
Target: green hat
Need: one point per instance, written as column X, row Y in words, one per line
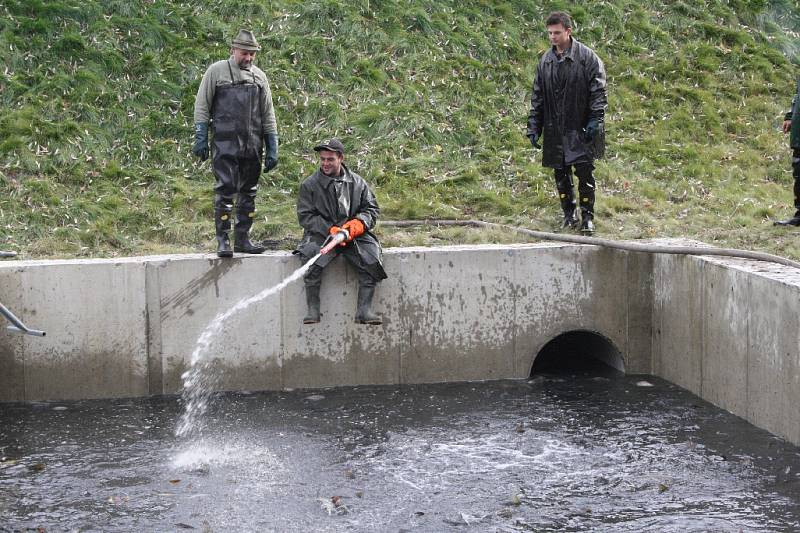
column 245, row 40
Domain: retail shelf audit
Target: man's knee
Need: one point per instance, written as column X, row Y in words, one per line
column 563, row 178
column 313, row 277
column 584, row 171
column 365, row 279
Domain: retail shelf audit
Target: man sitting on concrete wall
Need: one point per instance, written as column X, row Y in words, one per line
column 332, row 199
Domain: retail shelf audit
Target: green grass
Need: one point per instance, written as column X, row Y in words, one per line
column 430, row 97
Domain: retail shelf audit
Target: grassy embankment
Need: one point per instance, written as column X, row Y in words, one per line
column 430, row 96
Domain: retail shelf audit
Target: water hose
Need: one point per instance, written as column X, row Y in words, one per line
column 332, row 240
column 607, row 243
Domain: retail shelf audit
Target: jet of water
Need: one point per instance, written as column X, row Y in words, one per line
column 199, row 380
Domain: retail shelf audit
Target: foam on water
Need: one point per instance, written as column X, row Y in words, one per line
column 200, row 380
column 258, row 460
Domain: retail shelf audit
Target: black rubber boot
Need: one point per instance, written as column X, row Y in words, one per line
column 570, row 221
column 794, row 221
column 364, row 314
column 224, row 246
column 245, row 212
column 587, row 226
column 312, row 301
column 222, row 223
column 243, row 245
column 566, row 195
column 586, row 188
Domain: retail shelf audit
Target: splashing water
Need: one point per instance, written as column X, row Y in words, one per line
column 200, row 380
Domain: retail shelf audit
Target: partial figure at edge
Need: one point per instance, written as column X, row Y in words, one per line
column 791, row 125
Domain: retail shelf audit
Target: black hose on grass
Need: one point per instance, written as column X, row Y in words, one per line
column 608, row 243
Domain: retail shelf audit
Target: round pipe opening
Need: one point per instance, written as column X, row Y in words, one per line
column 579, row 352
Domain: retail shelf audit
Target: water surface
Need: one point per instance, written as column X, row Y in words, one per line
column 551, row 454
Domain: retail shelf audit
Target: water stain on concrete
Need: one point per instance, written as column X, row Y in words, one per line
column 181, row 300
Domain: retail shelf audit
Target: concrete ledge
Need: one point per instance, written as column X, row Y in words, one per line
column 727, row 330
column 128, row 327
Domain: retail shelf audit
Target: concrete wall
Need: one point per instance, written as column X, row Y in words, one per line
column 95, row 317
column 727, row 331
column 129, row 327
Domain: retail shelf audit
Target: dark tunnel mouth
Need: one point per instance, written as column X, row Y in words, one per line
column 579, row 352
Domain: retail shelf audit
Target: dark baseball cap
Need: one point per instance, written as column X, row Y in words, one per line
column 331, row 145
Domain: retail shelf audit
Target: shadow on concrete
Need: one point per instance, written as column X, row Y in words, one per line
column 579, row 352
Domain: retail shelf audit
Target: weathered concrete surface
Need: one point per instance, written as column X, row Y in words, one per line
column 457, row 315
column 120, row 328
column 337, row 350
column 192, row 291
column 12, row 362
column 94, row 316
column 678, row 318
column 728, row 331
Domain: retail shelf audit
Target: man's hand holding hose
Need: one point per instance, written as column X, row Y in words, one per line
column 349, row 231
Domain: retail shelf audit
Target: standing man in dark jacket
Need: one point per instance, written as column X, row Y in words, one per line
column 235, row 96
column 567, row 110
column 332, row 199
column 791, row 125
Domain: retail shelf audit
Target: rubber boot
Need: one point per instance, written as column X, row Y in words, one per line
column 568, row 206
column 586, row 188
column 566, row 195
column 243, row 245
column 794, row 221
column 224, row 246
column 587, row 210
column 222, row 223
column 245, row 212
column 312, row 301
column 587, row 226
column 364, row 314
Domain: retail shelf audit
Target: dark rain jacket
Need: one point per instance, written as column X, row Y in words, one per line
column 565, row 96
column 794, row 116
column 318, row 208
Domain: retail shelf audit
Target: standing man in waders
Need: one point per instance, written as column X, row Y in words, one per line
column 791, row 125
column 235, row 97
column 331, row 200
column 567, row 111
